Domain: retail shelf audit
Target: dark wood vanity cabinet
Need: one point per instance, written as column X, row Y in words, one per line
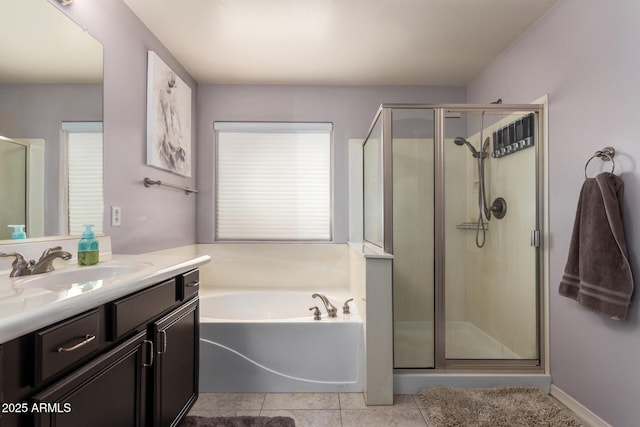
column 108, row 391
column 131, row 362
column 176, row 337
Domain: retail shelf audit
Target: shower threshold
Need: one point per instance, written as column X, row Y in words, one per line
column 412, row 382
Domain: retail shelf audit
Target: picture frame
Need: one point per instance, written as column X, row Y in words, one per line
column 168, row 118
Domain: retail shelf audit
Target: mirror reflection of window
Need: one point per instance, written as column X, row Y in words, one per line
column 84, row 177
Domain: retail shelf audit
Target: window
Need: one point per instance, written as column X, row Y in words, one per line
column 273, row 181
column 84, row 175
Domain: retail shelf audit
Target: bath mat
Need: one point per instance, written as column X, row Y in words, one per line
column 492, row 407
column 243, row 421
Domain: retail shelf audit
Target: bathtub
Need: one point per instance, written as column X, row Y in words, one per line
column 267, row 341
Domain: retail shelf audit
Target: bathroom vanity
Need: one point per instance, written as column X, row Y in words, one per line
column 128, row 358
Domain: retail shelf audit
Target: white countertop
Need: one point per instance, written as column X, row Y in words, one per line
column 27, row 309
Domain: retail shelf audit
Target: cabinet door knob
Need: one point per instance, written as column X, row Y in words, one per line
column 87, row 340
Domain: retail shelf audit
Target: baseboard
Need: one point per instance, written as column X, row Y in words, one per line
column 581, row 411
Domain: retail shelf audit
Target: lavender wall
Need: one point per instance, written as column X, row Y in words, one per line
column 159, row 218
column 154, row 218
column 350, row 108
column 584, row 54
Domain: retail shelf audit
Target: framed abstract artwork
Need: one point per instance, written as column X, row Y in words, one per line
column 168, row 118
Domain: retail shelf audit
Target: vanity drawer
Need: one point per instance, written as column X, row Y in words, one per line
column 62, row 345
column 133, row 311
column 188, row 284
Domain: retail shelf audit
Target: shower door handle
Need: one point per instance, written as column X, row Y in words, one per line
column 535, row 238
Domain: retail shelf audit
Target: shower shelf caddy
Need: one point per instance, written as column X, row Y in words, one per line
column 472, row 226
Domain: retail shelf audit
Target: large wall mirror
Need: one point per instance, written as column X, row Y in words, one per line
column 51, row 101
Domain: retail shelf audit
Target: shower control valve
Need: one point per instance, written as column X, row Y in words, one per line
column 316, row 312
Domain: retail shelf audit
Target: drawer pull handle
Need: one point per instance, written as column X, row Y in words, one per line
column 192, row 284
column 87, row 340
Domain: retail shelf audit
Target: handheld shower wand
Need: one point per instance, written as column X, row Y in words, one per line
column 482, row 196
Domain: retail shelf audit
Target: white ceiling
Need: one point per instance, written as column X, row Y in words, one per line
column 337, row 42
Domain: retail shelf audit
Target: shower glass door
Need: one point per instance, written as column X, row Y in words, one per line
column 490, row 229
column 13, row 194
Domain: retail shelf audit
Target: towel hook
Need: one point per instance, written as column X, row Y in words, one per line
column 606, row 154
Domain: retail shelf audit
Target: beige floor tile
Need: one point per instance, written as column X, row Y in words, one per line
column 226, row 413
column 229, row 401
column 404, row 401
column 309, row 417
column 389, row 416
column 356, row 401
column 276, row 401
column 352, row 401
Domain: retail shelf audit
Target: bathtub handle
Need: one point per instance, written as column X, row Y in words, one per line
column 316, row 312
column 345, row 307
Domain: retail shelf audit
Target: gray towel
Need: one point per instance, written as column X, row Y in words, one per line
column 598, row 274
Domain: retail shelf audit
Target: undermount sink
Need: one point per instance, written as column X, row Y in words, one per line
column 80, row 275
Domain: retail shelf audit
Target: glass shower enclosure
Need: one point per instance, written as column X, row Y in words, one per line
column 454, row 193
column 13, row 176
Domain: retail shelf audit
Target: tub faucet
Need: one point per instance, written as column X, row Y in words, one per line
column 331, row 310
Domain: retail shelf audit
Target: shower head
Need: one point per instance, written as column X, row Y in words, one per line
column 462, row 141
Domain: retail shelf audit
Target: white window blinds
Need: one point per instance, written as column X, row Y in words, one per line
column 273, row 181
column 85, row 177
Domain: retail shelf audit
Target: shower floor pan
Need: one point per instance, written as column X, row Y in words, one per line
column 413, row 344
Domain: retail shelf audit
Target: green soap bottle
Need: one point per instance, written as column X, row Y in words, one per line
column 88, row 252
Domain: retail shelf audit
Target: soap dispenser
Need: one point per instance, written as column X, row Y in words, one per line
column 18, row 232
column 88, row 253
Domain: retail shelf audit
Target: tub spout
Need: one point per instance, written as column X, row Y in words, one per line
column 332, row 311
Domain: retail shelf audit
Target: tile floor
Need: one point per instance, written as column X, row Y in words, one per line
column 315, row 409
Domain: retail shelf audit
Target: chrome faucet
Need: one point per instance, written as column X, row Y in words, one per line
column 331, row 310
column 20, row 266
column 45, row 263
